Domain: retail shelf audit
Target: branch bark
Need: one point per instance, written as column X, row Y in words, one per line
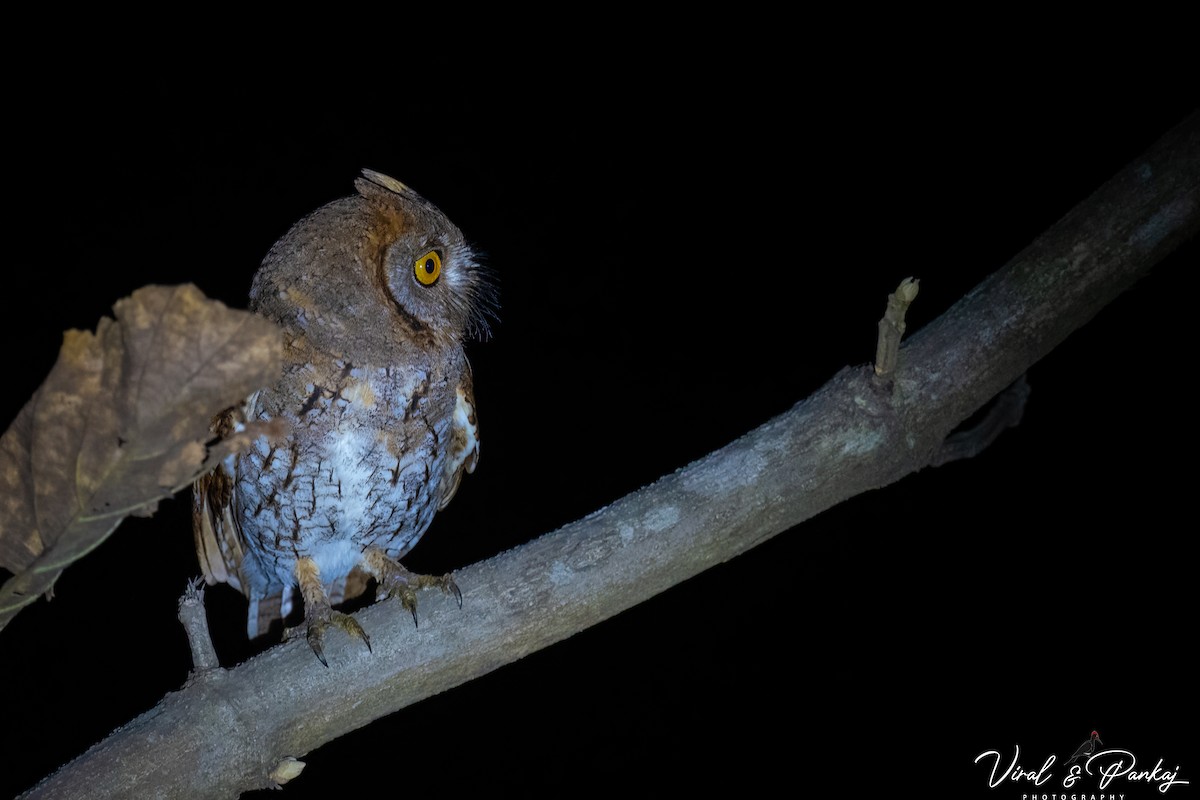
column 230, row 730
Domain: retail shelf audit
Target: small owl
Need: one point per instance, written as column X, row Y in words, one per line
column 375, row 294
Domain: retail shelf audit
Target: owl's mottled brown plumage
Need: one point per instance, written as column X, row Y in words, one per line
column 375, row 294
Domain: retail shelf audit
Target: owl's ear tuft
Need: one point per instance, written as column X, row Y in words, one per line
column 382, row 190
column 386, row 181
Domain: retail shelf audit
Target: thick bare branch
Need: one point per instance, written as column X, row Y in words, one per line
column 854, row 434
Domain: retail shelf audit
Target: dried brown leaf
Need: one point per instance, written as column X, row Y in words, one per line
column 121, row 422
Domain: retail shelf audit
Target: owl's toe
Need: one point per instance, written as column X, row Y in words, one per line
column 396, row 581
column 452, row 588
column 316, row 624
column 408, row 599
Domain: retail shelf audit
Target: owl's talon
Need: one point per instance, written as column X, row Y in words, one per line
column 454, row 590
column 408, row 599
column 314, row 641
column 350, row 625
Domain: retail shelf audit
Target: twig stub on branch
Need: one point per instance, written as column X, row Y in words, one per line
column 891, row 326
column 195, row 624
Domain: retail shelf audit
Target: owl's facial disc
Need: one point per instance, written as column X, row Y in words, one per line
column 423, row 276
column 430, row 274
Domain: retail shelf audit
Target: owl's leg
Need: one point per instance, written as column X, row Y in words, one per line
column 318, row 615
column 394, row 579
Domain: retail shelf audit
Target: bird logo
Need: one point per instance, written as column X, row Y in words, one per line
column 1087, row 748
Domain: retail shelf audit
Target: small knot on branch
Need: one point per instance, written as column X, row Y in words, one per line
column 287, row 769
column 1005, row 411
column 891, row 327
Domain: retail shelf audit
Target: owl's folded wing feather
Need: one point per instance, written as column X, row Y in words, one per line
column 218, row 540
column 464, row 440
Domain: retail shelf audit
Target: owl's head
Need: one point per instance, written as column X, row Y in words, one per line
column 426, row 266
column 377, row 268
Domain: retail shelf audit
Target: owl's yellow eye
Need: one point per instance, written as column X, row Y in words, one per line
column 427, row 268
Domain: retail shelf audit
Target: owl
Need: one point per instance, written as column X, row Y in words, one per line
column 376, row 294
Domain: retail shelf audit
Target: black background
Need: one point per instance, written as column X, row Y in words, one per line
column 674, row 270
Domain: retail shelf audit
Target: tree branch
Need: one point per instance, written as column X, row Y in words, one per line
column 233, row 731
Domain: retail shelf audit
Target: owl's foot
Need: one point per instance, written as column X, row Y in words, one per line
column 316, row 623
column 396, row 581
column 318, row 615
column 404, row 584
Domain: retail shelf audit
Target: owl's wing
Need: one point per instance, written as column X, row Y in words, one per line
column 464, row 439
column 220, row 546
column 218, row 540
column 221, row 552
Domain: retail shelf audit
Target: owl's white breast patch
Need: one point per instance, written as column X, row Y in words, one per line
column 349, row 465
